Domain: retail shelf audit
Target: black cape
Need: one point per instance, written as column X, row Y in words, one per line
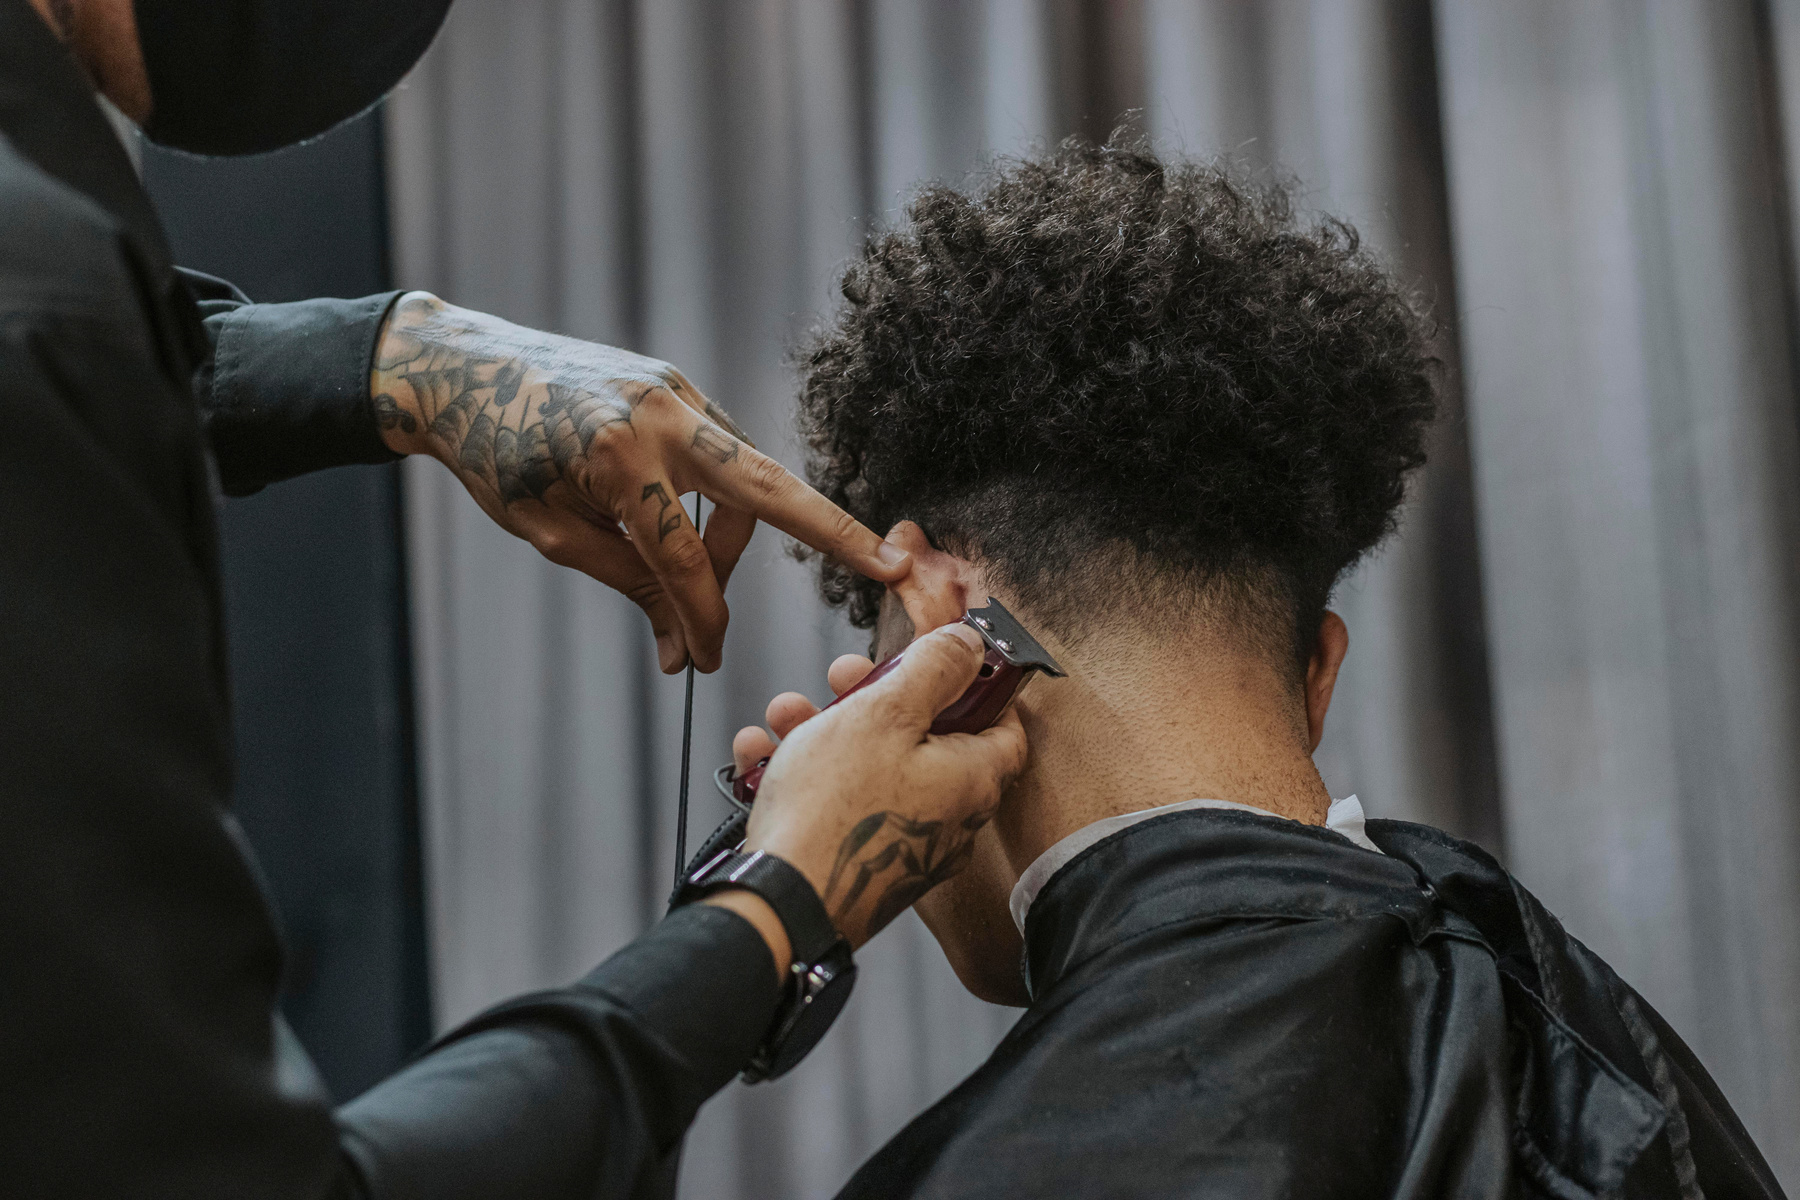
column 1233, row 1005
column 140, row 1053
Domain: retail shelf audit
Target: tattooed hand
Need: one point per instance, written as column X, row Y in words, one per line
column 869, row 805
column 585, row 451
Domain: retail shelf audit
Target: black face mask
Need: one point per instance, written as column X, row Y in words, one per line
column 244, row 76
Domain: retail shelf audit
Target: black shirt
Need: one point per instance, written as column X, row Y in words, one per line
column 140, row 1052
column 1226, row 1004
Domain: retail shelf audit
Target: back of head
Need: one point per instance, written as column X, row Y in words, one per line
column 1120, row 383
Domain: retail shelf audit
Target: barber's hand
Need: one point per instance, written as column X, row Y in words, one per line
column 585, row 450
column 870, row 806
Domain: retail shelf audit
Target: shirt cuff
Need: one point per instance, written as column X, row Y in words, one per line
column 288, row 390
column 705, row 981
column 698, row 993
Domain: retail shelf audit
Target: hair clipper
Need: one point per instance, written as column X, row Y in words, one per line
column 1012, row 655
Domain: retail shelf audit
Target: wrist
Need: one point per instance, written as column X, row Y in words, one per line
column 819, row 971
column 762, row 916
column 398, row 412
column 810, row 851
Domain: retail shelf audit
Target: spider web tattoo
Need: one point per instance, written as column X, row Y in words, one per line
column 495, row 404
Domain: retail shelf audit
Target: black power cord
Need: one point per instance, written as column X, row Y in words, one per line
column 687, row 749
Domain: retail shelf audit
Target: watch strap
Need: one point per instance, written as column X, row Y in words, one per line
column 811, row 935
column 728, row 836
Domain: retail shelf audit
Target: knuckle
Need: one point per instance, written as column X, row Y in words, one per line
column 844, row 527
column 611, row 442
column 658, row 401
column 942, row 658
column 764, row 474
column 687, row 556
column 1004, row 761
column 646, row 595
column 1012, row 759
column 553, row 544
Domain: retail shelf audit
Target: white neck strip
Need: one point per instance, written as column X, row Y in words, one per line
column 1345, row 816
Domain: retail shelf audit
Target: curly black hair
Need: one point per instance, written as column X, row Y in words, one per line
column 1100, row 374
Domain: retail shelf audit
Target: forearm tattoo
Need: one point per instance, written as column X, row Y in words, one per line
column 900, row 859
column 514, row 410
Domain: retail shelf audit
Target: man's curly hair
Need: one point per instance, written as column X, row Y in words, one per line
column 1112, row 378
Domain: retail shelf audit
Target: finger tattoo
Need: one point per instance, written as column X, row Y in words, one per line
column 711, row 442
column 722, row 419
column 666, row 522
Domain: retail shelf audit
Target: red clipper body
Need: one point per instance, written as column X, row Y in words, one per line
column 1012, row 655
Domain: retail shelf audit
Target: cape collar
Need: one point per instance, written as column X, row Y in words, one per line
column 1345, row 817
column 50, row 115
column 1201, row 863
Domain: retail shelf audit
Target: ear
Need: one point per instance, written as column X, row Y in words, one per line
column 935, row 592
column 1322, row 672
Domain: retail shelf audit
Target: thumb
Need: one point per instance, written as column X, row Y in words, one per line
column 1001, row 745
column 992, row 758
column 937, row 669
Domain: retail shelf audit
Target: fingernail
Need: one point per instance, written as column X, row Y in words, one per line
column 891, row 555
column 968, row 636
column 668, row 654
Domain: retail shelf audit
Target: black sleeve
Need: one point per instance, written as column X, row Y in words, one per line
column 581, row 1092
column 286, row 389
column 139, row 1047
column 1727, row 1161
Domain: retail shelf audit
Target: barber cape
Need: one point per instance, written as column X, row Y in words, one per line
column 1227, row 1004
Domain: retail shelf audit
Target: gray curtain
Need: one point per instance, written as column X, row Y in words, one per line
column 1625, row 291
column 1579, row 651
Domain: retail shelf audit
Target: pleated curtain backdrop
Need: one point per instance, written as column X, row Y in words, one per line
column 1580, row 651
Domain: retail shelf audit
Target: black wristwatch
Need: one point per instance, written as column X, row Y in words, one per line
column 823, row 972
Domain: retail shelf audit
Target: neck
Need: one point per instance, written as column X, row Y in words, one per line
column 1139, row 725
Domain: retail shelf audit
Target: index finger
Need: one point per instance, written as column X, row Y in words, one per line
column 746, row 478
